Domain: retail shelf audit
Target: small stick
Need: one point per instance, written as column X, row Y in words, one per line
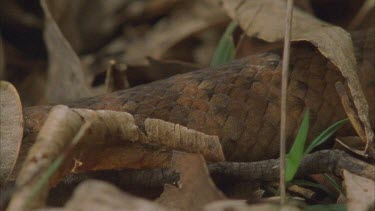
column 284, row 84
column 325, row 161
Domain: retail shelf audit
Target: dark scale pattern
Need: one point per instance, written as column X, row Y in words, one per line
column 239, row 102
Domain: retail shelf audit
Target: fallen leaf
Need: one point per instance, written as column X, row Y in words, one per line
column 79, row 20
column 150, row 9
column 113, row 141
column 360, row 192
column 171, row 30
column 332, row 41
column 26, row 74
column 195, row 188
column 11, row 128
column 65, row 76
column 181, row 138
column 100, row 196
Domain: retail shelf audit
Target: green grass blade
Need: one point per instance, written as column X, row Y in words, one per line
column 45, row 177
column 43, row 181
column 293, row 159
column 325, row 135
column 225, row 50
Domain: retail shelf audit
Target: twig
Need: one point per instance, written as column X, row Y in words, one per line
column 366, row 8
column 325, row 161
column 284, row 84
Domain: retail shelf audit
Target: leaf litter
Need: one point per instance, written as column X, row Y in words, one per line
column 129, row 146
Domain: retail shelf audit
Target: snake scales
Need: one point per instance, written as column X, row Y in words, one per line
column 240, row 101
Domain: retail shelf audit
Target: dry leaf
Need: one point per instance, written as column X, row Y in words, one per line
column 101, row 196
column 195, row 188
column 360, row 192
column 181, row 138
column 172, row 30
column 65, row 76
column 264, row 20
column 350, row 111
column 50, row 143
column 80, row 20
column 11, row 128
column 113, row 141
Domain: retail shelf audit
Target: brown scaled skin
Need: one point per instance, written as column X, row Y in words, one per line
column 238, row 102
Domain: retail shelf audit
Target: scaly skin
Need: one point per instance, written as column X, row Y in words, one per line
column 238, row 102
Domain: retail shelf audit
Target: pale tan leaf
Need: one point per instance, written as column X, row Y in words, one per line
column 265, row 20
column 11, row 128
column 112, row 141
column 65, row 76
column 101, row 196
column 360, row 192
column 195, row 188
column 172, row 30
column 181, row 138
column 50, row 143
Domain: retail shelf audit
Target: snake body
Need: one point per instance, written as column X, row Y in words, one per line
column 240, row 102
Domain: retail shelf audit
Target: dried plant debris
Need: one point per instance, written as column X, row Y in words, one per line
column 360, row 18
column 101, row 196
column 360, row 192
column 169, row 31
column 195, row 187
column 181, row 138
column 116, row 77
column 79, row 20
column 156, row 120
column 332, row 41
column 65, row 76
column 110, row 132
column 11, row 128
